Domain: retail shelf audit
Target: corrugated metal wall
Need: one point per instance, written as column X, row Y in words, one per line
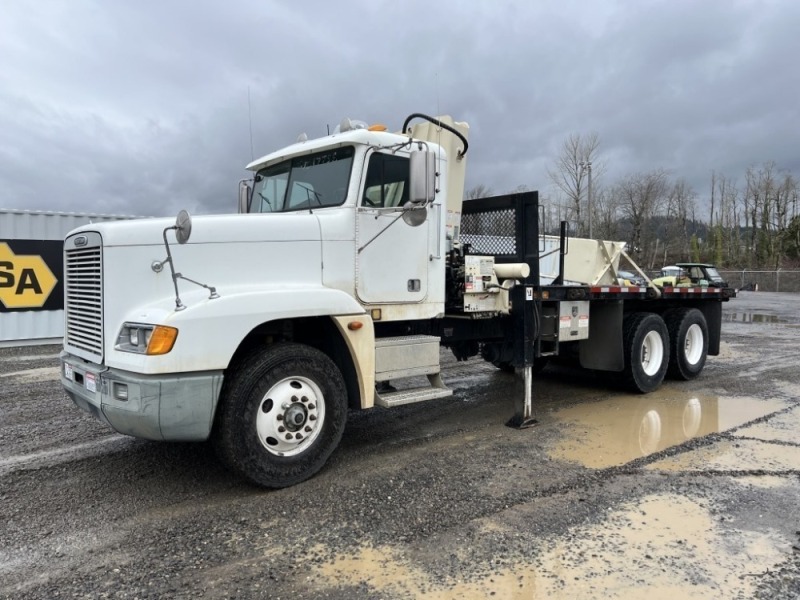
column 23, row 229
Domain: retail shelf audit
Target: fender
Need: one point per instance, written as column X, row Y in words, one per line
column 361, row 345
column 209, row 331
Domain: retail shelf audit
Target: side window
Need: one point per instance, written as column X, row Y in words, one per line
column 387, row 181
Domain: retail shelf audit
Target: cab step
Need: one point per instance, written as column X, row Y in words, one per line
column 436, row 390
column 408, row 356
column 392, row 399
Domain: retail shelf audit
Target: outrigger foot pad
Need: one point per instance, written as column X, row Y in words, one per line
column 518, row 422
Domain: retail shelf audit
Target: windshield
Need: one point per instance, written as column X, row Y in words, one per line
column 304, row 182
column 713, row 274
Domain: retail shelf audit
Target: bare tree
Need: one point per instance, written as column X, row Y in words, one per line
column 606, row 212
column 570, row 175
column 731, row 200
column 759, row 197
column 478, row 191
column 680, row 206
column 713, row 191
column 785, row 199
column 640, row 197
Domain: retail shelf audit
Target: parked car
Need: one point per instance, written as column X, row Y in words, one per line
column 690, row 274
column 628, row 278
column 671, row 276
column 703, row 274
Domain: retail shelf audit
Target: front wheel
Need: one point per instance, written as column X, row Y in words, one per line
column 688, row 337
column 646, row 348
column 283, row 413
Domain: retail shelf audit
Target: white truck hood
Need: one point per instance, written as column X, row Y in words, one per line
column 267, row 227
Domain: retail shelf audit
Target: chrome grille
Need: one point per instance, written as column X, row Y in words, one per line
column 83, row 299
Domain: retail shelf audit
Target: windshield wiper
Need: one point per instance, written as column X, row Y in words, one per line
column 265, row 199
column 309, row 191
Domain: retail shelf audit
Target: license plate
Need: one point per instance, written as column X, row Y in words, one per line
column 68, row 371
column 90, row 382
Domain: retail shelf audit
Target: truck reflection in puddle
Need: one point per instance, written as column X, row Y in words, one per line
column 623, row 428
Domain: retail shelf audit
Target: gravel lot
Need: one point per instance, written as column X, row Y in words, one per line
column 688, row 492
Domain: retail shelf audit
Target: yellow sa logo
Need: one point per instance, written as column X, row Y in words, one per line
column 25, row 280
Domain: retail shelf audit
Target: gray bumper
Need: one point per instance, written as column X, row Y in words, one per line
column 158, row 407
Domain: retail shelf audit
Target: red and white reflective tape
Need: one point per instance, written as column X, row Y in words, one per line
column 692, row 290
column 617, row 289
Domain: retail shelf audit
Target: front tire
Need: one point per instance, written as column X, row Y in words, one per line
column 688, row 338
column 282, row 414
column 646, row 348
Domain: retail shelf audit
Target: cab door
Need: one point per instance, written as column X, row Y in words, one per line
column 392, row 257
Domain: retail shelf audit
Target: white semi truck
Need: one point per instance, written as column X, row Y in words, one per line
column 352, row 261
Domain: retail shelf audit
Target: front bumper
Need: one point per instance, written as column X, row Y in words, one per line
column 177, row 407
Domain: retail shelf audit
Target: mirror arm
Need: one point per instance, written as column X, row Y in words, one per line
column 182, row 229
column 377, row 235
column 158, row 266
column 212, row 291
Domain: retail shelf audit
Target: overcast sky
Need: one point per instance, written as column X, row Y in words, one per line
column 141, row 107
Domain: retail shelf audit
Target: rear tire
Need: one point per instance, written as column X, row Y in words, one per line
column 688, row 340
column 282, row 414
column 646, row 350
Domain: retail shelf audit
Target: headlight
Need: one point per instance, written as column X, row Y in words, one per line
column 146, row 339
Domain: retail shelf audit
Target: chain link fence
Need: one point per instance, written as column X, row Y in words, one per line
column 782, row 280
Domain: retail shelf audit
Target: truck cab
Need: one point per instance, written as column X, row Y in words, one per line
column 356, row 186
column 336, row 237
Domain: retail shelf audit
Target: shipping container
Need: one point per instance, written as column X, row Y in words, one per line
column 31, row 266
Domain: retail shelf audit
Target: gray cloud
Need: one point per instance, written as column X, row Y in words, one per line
column 142, row 108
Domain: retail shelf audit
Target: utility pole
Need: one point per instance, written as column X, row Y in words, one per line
column 587, row 167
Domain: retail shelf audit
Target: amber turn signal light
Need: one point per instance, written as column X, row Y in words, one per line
column 162, row 340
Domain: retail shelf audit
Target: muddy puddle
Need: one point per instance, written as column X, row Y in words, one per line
column 742, row 456
column 749, row 317
column 386, row 571
column 623, row 428
column 781, row 428
column 664, row 546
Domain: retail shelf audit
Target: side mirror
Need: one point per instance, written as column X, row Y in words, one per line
column 245, row 195
column 422, row 176
column 183, row 227
column 414, row 214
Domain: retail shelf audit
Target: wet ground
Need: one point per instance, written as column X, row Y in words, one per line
column 689, row 492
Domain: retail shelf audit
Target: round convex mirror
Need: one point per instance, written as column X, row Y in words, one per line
column 414, row 214
column 183, row 227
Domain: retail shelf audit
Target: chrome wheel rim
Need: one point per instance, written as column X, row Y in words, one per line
column 290, row 416
column 652, row 353
column 693, row 347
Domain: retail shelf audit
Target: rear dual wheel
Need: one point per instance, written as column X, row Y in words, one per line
column 688, row 338
column 646, row 351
